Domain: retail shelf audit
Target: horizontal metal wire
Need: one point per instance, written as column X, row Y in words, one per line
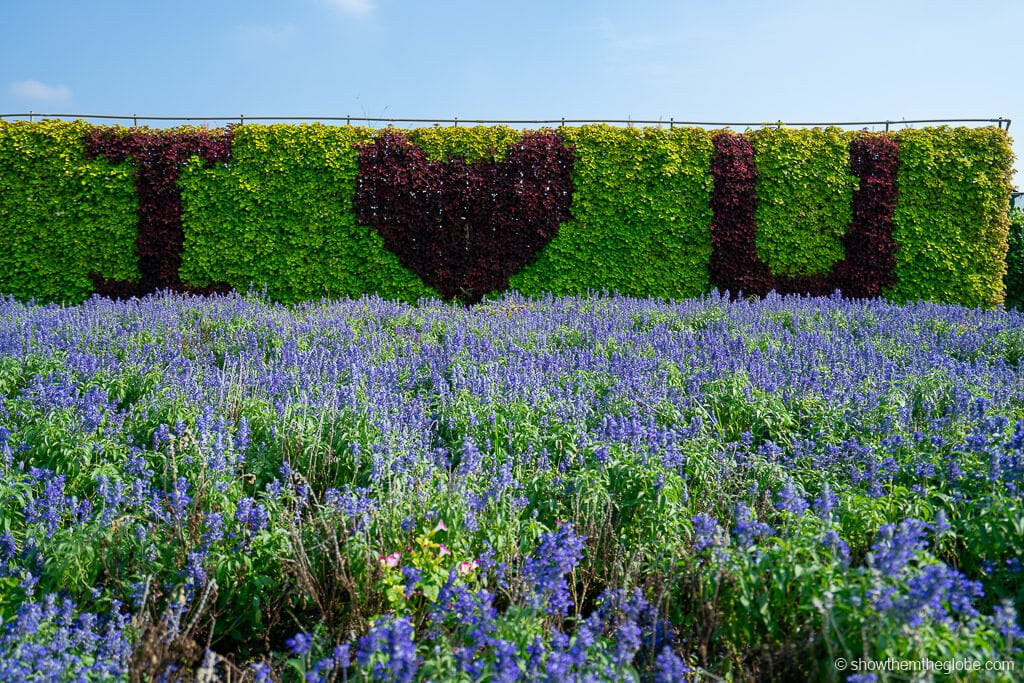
column 241, row 119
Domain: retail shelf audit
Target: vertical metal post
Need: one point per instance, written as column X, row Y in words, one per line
column 30, row 117
column 456, row 121
column 241, row 119
column 671, row 123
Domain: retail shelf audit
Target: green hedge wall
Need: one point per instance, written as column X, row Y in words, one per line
column 1015, row 262
column 641, row 216
column 805, row 188
column 62, row 217
column 280, row 215
column 951, row 220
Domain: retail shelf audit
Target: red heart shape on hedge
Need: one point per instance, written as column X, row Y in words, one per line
column 465, row 228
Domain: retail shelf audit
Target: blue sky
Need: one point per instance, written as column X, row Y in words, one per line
column 714, row 60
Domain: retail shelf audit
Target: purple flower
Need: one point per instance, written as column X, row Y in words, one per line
column 706, row 532
column 342, row 656
column 300, row 643
column 789, row 500
column 747, row 530
column 669, row 668
column 1004, row 618
column 894, row 546
column 544, row 572
column 826, row 503
column 252, row 515
column 936, row 592
column 389, row 650
column 836, row 545
column 214, row 528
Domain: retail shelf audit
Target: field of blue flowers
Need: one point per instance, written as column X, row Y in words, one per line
column 563, row 489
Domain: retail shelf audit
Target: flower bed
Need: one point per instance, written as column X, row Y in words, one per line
column 591, row 488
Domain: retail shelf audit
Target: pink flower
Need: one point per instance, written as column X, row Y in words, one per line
column 467, row 567
column 440, row 526
column 444, row 551
column 391, row 561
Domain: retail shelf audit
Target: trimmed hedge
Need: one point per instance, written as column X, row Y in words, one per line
column 157, row 157
column 464, row 227
column 641, row 216
column 281, row 216
column 805, row 188
column 951, row 221
column 62, row 216
column 1014, row 278
column 867, row 247
column 918, row 214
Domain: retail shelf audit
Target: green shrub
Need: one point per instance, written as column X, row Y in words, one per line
column 641, row 216
column 950, row 223
column 280, row 216
column 62, row 217
column 805, row 194
column 1014, row 278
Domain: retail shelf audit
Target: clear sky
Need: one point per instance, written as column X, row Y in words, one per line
column 709, row 60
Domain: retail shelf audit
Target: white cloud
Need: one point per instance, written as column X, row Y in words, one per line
column 37, row 91
column 264, row 35
column 354, row 8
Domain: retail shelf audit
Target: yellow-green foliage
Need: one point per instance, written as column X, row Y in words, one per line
column 641, row 212
column 280, row 216
column 951, row 218
column 804, row 191
column 476, row 143
column 62, row 217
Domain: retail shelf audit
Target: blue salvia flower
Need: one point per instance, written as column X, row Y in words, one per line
column 790, row 500
column 214, row 528
column 836, row 545
column 52, row 640
column 936, row 592
column 706, row 532
column 669, row 667
column 342, row 656
column 544, row 572
column 300, row 643
column 825, row 504
column 1004, row 618
column 251, row 515
column 389, row 650
column 895, row 546
column 748, row 531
